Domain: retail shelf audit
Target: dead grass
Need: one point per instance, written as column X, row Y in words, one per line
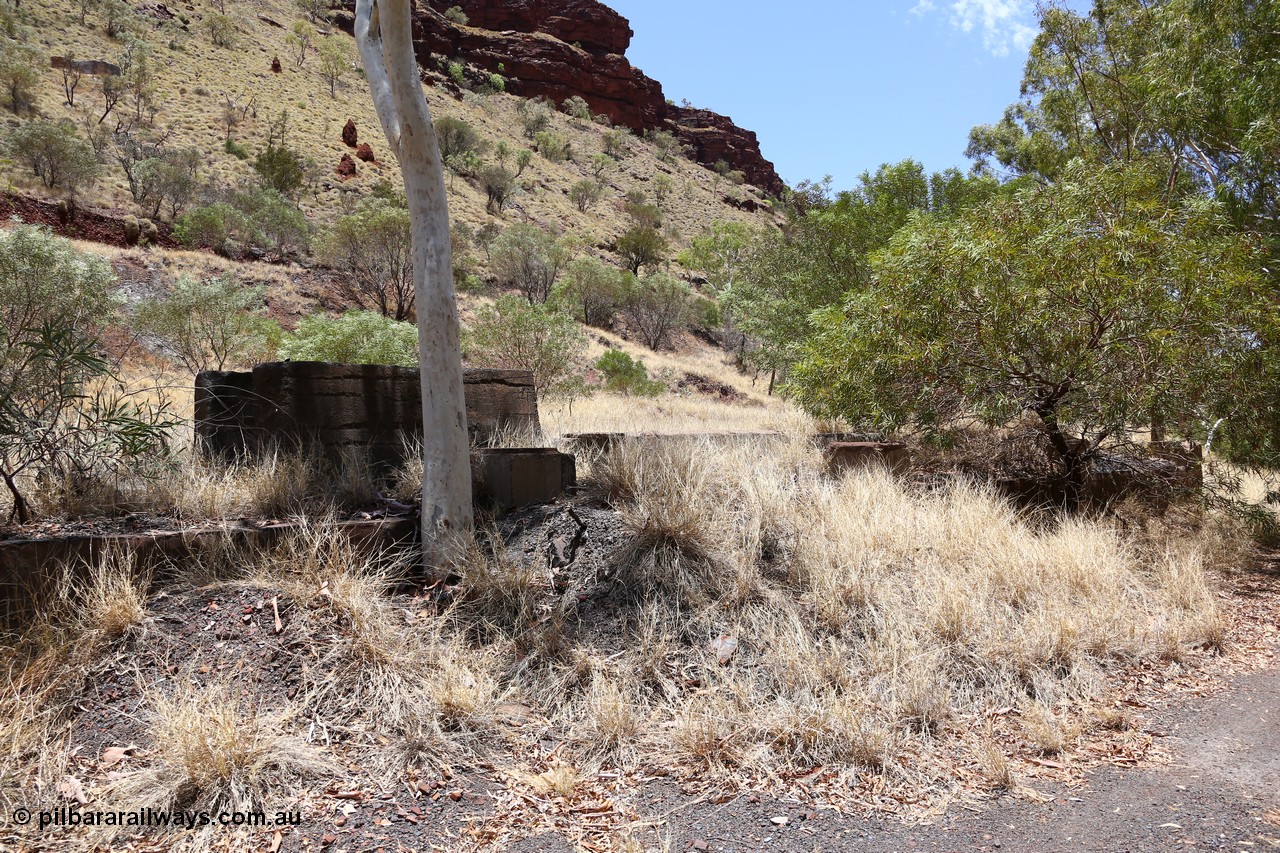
column 905, row 641
column 214, row 753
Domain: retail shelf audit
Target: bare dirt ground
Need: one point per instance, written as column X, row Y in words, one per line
column 1219, row 791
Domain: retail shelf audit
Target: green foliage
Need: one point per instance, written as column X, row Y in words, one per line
column 261, row 218
column 624, row 375
column 456, row 136
column 278, row 223
column 665, row 145
column 235, row 149
column 528, row 258
column 457, row 73
column 553, row 146
column 211, row 325
column 281, row 169
column 586, row 194
column 497, row 83
column 222, row 30
column 512, row 334
column 601, row 164
column 824, row 252
column 456, row 15
column 535, row 117
column 56, row 154
column 593, row 290
column 499, row 184
column 523, row 158
column 335, row 61
column 357, row 337
column 62, row 418
column 662, row 187
column 641, row 246
column 575, row 107
column 644, row 215
column 372, row 251
column 655, row 307
column 300, row 36
column 166, row 181
column 1093, row 306
column 19, row 74
column 721, row 253
column 616, row 144
column 1188, row 82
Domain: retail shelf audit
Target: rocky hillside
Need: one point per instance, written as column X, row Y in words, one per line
column 227, row 70
column 562, row 48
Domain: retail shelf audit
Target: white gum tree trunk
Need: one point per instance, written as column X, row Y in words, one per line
column 383, row 30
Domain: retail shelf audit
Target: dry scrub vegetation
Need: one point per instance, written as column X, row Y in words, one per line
column 761, row 620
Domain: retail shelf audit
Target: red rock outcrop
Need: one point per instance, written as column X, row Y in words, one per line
column 349, row 135
column 346, row 167
column 364, row 152
column 561, row 48
column 592, row 26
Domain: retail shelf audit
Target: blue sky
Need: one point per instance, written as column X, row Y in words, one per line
column 840, row 87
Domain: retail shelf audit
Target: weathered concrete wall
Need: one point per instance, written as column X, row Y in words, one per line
column 33, row 571
column 339, row 408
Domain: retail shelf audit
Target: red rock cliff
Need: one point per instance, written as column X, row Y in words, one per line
column 561, row 48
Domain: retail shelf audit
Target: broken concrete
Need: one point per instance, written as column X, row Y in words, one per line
column 510, row 478
column 340, row 409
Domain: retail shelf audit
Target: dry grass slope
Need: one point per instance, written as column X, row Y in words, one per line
column 762, row 619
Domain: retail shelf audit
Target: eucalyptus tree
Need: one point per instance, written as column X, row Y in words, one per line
column 383, row 30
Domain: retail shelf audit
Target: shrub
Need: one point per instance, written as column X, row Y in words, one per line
column 497, row 82
column 210, row 325
column 593, row 290
column 665, row 145
column 644, row 215
column 278, row 224
column 656, row 306
column 499, row 184
column 62, row 418
column 553, row 146
column 210, row 226
column 662, row 186
column 335, row 61
column 625, row 375
column 600, row 164
column 576, row 107
column 526, row 257
column 167, row 180
column 585, row 194
column 357, row 337
column 281, row 169
column 514, row 335
column 615, row 144
column 523, row 158
column 534, row 116
column 456, row 15
column 372, row 250
column 456, row 136
column 56, row 154
column 222, row 30
column 457, row 74
column 235, row 149
column 19, row 75
column 641, row 246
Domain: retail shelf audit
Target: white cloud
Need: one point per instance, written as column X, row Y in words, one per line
column 1005, row 24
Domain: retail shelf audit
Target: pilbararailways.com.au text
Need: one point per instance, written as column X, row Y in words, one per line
column 152, row 818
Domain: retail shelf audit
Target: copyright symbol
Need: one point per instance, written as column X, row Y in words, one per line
column 22, row 816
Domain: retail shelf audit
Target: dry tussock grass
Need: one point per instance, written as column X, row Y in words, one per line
column 878, row 630
column 867, row 613
column 98, row 606
column 215, row 753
